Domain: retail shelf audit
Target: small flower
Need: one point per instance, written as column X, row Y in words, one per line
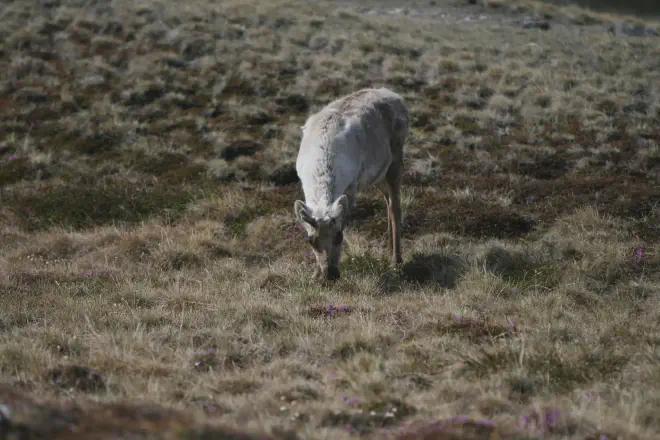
column 551, row 416
column 12, row 157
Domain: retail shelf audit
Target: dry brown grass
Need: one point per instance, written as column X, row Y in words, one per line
column 152, row 278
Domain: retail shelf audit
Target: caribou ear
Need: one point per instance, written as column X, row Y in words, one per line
column 339, row 210
column 304, row 214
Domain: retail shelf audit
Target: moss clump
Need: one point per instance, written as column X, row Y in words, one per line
column 13, row 170
column 81, row 206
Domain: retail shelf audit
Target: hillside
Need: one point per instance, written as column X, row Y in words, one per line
column 153, row 280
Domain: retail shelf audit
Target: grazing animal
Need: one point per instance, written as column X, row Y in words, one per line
column 354, row 142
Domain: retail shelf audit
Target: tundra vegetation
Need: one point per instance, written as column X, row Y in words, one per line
column 153, row 279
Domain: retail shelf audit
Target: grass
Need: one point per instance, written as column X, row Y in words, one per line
column 153, row 280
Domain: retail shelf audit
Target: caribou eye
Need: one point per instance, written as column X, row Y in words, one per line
column 338, row 238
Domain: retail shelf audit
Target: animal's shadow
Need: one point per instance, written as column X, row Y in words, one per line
column 445, row 269
column 436, row 268
column 424, row 269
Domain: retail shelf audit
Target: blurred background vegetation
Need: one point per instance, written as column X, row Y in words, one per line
column 639, row 7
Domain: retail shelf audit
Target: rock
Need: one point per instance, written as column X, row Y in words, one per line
column 242, row 147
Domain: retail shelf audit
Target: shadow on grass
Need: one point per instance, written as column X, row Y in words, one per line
column 437, row 268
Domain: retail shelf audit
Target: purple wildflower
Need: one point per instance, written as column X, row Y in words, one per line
column 12, row 157
column 551, row 417
column 350, row 400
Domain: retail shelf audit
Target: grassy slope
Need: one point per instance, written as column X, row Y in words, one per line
column 141, row 261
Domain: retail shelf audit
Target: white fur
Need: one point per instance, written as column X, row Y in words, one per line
column 348, row 146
